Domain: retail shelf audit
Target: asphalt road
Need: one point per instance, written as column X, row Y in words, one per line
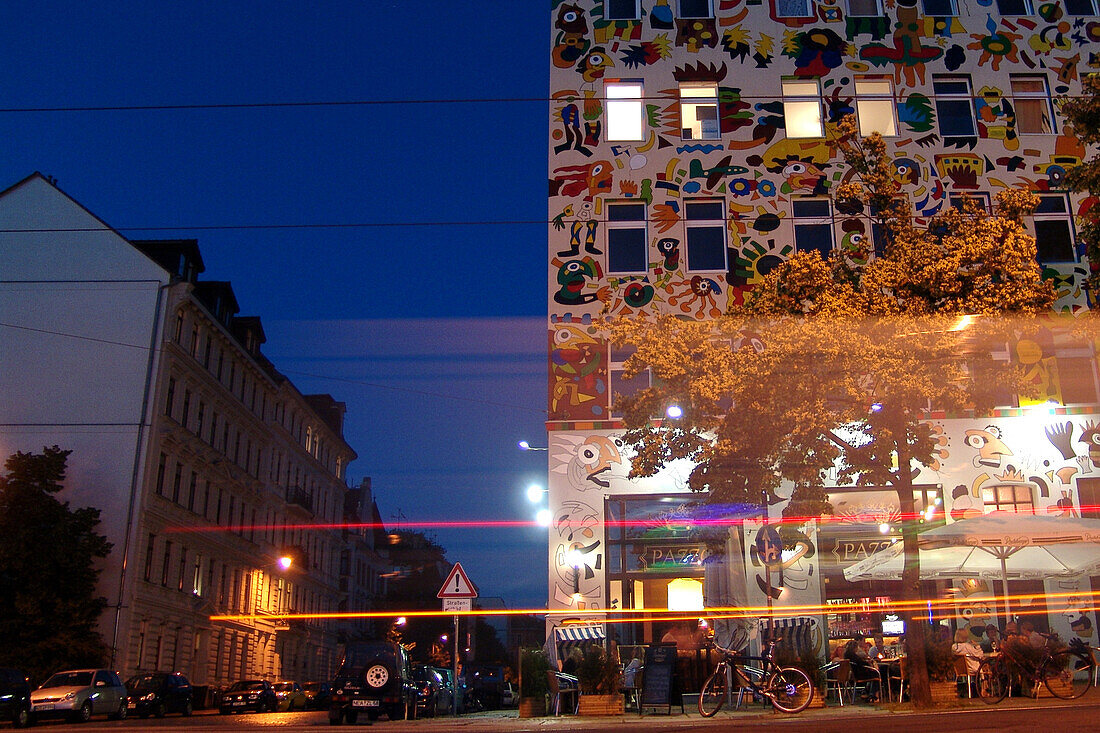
column 1044, row 716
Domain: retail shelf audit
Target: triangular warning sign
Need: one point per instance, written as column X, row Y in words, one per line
column 457, row 585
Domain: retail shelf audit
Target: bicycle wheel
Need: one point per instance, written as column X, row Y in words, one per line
column 1069, row 674
column 790, row 690
column 714, row 693
column 993, row 682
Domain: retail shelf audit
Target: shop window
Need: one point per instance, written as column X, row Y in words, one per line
column 624, row 109
column 875, row 107
column 626, row 237
column 954, row 105
column 813, row 225
column 1031, row 97
column 1008, row 498
column 864, row 8
column 699, row 111
column 802, row 108
column 695, row 9
column 1053, row 229
column 705, row 234
column 621, row 9
column 939, row 8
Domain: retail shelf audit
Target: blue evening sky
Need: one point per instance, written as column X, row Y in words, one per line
column 434, row 336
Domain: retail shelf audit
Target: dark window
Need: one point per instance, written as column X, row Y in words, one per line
column 167, row 563
column 626, row 237
column 939, row 8
column 813, row 225
column 1013, row 7
column 1080, row 7
column 149, row 557
column 620, row 9
column 170, row 398
column 160, row 474
column 176, row 483
column 186, row 408
column 706, row 235
column 954, row 105
column 695, row 9
column 183, row 568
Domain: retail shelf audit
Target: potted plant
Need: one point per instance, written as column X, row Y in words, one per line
column 533, row 685
column 940, row 659
column 601, row 683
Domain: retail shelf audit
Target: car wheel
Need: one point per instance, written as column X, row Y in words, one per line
column 123, row 711
column 22, row 718
column 188, row 708
column 84, row 714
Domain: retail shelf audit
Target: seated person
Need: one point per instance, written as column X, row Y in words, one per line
column 878, row 648
column 863, row 669
column 965, row 646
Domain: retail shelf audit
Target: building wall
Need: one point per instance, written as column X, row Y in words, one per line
column 768, row 182
column 201, row 503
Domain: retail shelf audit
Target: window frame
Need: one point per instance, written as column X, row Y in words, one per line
column 1064, row 216
column 681, row 14
column 626, row 224
column 808, row 14
column 699, row 101
column 1027, row 7
column 704, row 224
column 870, row 97
column 1009, row 506
column 607, row 14
column 620, row 109
column 813, row 221
column 1091, row 11
column 852, row 14
column 1042, row 98
column 953, row 4
column 955, row 200
column 791, row 98
column 954, row 98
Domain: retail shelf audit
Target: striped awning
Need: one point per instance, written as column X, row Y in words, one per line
column 580, row 632
column 790, row 622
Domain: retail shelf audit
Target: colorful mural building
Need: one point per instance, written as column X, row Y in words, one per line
column 688, row 156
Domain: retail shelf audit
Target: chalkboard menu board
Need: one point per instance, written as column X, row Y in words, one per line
column 660, row 661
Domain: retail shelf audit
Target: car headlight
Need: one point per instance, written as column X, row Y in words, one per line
column 149, row 698
column 70, row 695
column 253, row 697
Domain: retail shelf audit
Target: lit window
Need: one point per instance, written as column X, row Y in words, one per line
column 1014, row 7
column 875, row 107
column 792, row 9
column 626, row 237
column 1080, row 7
column 706, row 235
column 699, row 112
column 1053, row 229
column 624, row 110
column 802, row 108
column 1032, row 99
column 864, row 8
column 1008, row 498
column 954, row 105
column 620, row 9
column 695, row 9
column 813, row 225
column 939, row 8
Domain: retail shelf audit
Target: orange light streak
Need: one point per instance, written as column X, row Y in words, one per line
column 657, row 614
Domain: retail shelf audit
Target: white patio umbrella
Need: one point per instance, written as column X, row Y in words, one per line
column 998, row 545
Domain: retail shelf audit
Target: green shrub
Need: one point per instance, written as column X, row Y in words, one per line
column 534, row 668
column 598, row 673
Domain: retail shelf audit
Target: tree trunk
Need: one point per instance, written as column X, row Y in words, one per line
column 916, row 624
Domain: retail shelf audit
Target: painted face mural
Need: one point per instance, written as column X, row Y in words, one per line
column 587, row 462
column 578, row 557
column 989, row 446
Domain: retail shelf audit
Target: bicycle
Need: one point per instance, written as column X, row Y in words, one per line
column 789, row 689
column 1067, row 672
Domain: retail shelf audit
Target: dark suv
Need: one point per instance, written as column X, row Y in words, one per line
column 15, row 697
column 157, row 693
column 374, row 678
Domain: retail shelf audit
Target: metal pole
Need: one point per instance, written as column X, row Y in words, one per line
column 454, row 662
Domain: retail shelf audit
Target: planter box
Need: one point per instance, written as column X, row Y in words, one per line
column 532, row 707
column 818, row 700
column 601, row 705
column 944, row 693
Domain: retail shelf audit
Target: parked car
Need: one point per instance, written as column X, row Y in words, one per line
column 373, row 678
column 430, row 692
column 257, row 695
column 509, row 696
column 448, row 676
column 318, row 695
column 159, row 693
column 290, row 696
column 79, row 694
column 15, row 697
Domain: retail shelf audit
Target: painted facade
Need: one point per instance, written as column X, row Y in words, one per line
column 688, row 156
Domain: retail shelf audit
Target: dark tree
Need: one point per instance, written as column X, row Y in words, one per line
column 48, row 605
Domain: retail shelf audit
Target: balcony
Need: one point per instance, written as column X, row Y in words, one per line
column 295, row 496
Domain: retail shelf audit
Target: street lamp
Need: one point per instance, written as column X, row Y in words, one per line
column 674, row 412
column 535, row 492
column 524, row 445
column 285, row 562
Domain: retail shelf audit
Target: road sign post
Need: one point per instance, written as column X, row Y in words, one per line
column 458, row 596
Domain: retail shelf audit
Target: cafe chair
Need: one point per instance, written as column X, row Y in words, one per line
column 899, row 673
column 560, row 693
column 838, row 679
column 962, row 671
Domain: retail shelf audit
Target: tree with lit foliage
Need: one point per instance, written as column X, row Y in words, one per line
column 829, row 365
column 1083, row 115
column 49, row 610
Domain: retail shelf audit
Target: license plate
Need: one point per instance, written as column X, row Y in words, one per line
column 132, row 705
column 365, row 703
column 44, row 706
column 240, row 702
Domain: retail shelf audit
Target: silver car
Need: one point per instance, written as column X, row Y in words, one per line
column 79, row 694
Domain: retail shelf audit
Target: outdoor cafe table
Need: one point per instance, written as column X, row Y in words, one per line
column 884, row 666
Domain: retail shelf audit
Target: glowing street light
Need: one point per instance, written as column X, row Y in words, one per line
column 674, row 412
column 535, row 492
column 285, row 562
column 524, row 445
column 543, row 517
